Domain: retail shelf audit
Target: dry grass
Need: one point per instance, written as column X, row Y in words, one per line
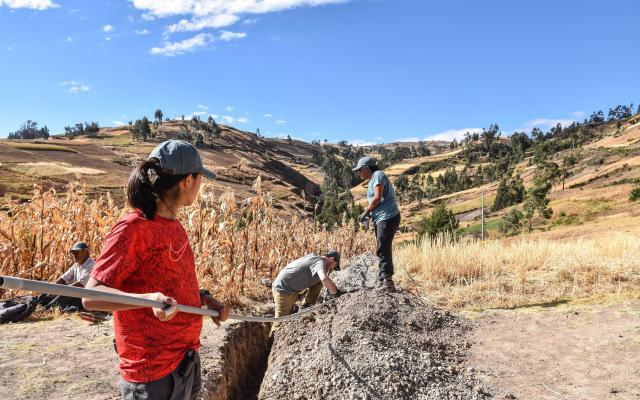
column 39, row 147
column 234, row 245
column 50, row 169
column 478, row 275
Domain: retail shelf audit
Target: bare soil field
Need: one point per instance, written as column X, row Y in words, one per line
column 571, row 353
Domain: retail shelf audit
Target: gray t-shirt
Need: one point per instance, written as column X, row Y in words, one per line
column 79, row 273
column 300, row 274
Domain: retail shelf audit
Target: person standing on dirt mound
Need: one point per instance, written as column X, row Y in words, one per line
column 306, row 276
column 147, row 254
column 383, row 209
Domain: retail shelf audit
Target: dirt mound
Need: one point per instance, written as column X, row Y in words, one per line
column 371, row 344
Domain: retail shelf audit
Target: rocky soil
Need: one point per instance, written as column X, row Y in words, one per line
column 371, row 344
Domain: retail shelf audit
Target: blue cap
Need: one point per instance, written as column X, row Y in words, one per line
column 364, row 162
column 79, row 246
column 180, row 158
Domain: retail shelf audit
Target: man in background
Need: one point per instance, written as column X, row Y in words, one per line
column 77, row 275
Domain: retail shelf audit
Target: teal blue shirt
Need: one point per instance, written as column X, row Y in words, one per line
column 387, row 208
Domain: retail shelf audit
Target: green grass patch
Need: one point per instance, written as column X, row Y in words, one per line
column 39, row 147
column 567, row 220
column 489, row 225
column 474, row 204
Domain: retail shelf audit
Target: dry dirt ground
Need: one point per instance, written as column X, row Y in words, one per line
column 67, row 358
column 571, row 353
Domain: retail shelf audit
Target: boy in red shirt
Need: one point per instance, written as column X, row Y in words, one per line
column 147, row 253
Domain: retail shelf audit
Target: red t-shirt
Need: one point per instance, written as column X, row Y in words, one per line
column 144, row 256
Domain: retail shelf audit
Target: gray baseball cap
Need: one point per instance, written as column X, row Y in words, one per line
column 79, row 246
column 364, row 162
column 336, row 256
column 180, row 158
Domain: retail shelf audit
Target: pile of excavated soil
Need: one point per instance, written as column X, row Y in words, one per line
column 371, row 344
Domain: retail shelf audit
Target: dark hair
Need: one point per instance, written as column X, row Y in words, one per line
column 373, row 168
column 148, row 183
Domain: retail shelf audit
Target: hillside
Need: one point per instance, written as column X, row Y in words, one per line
column 593, row 197
column 105, row 161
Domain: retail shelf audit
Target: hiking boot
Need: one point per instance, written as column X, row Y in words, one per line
column 386, row 285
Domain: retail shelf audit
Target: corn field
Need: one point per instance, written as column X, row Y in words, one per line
column 235, row 242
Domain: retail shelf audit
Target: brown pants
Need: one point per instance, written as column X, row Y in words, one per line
column 283, row 302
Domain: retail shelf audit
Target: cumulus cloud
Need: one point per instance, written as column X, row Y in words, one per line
column 229, row 108
column 141, row 32
column 170, row 49
column 118, row 123
column 206, row 14
column 280, row 122
column 30, row 4
column 201, row 8
column 228, row 119
column 545, row 123
column 451, row 134
column 242, row 120
column 198, row 113
column 360, row 143
column 197, row 24
column 74, row 87
column 107, row 28
column 268, row 115
column 228, row 36
column 202, row 107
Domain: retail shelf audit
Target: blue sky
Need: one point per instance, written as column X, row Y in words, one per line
column 361, row 70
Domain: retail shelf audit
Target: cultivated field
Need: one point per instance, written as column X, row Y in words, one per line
column 235, row 245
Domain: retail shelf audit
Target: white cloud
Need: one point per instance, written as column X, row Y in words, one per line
column 166, row 8
column 118, row 123
column 250, row 21
column 545, row 123
column 75, row 87
column 198, row 113
column 280, row 122
column 107, row 28
column 141, row 32
column 243, row 120
column 216, row 14
column 186, row 46
column 69, row 40
column 197, row 24
column 451, row 134
column 228, row 119
column 267, row 115
column 360, row 143
column 409, row 139
column 214, row 116
column 228, row 36
column 578, row 114
column 229, row 109
column 202, row 107
column 31, row 4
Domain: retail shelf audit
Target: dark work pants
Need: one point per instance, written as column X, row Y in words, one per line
column 184, row 383
column 385, row 231
column 62, row 302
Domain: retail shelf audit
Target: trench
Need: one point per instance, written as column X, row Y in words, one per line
column 237, row 372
